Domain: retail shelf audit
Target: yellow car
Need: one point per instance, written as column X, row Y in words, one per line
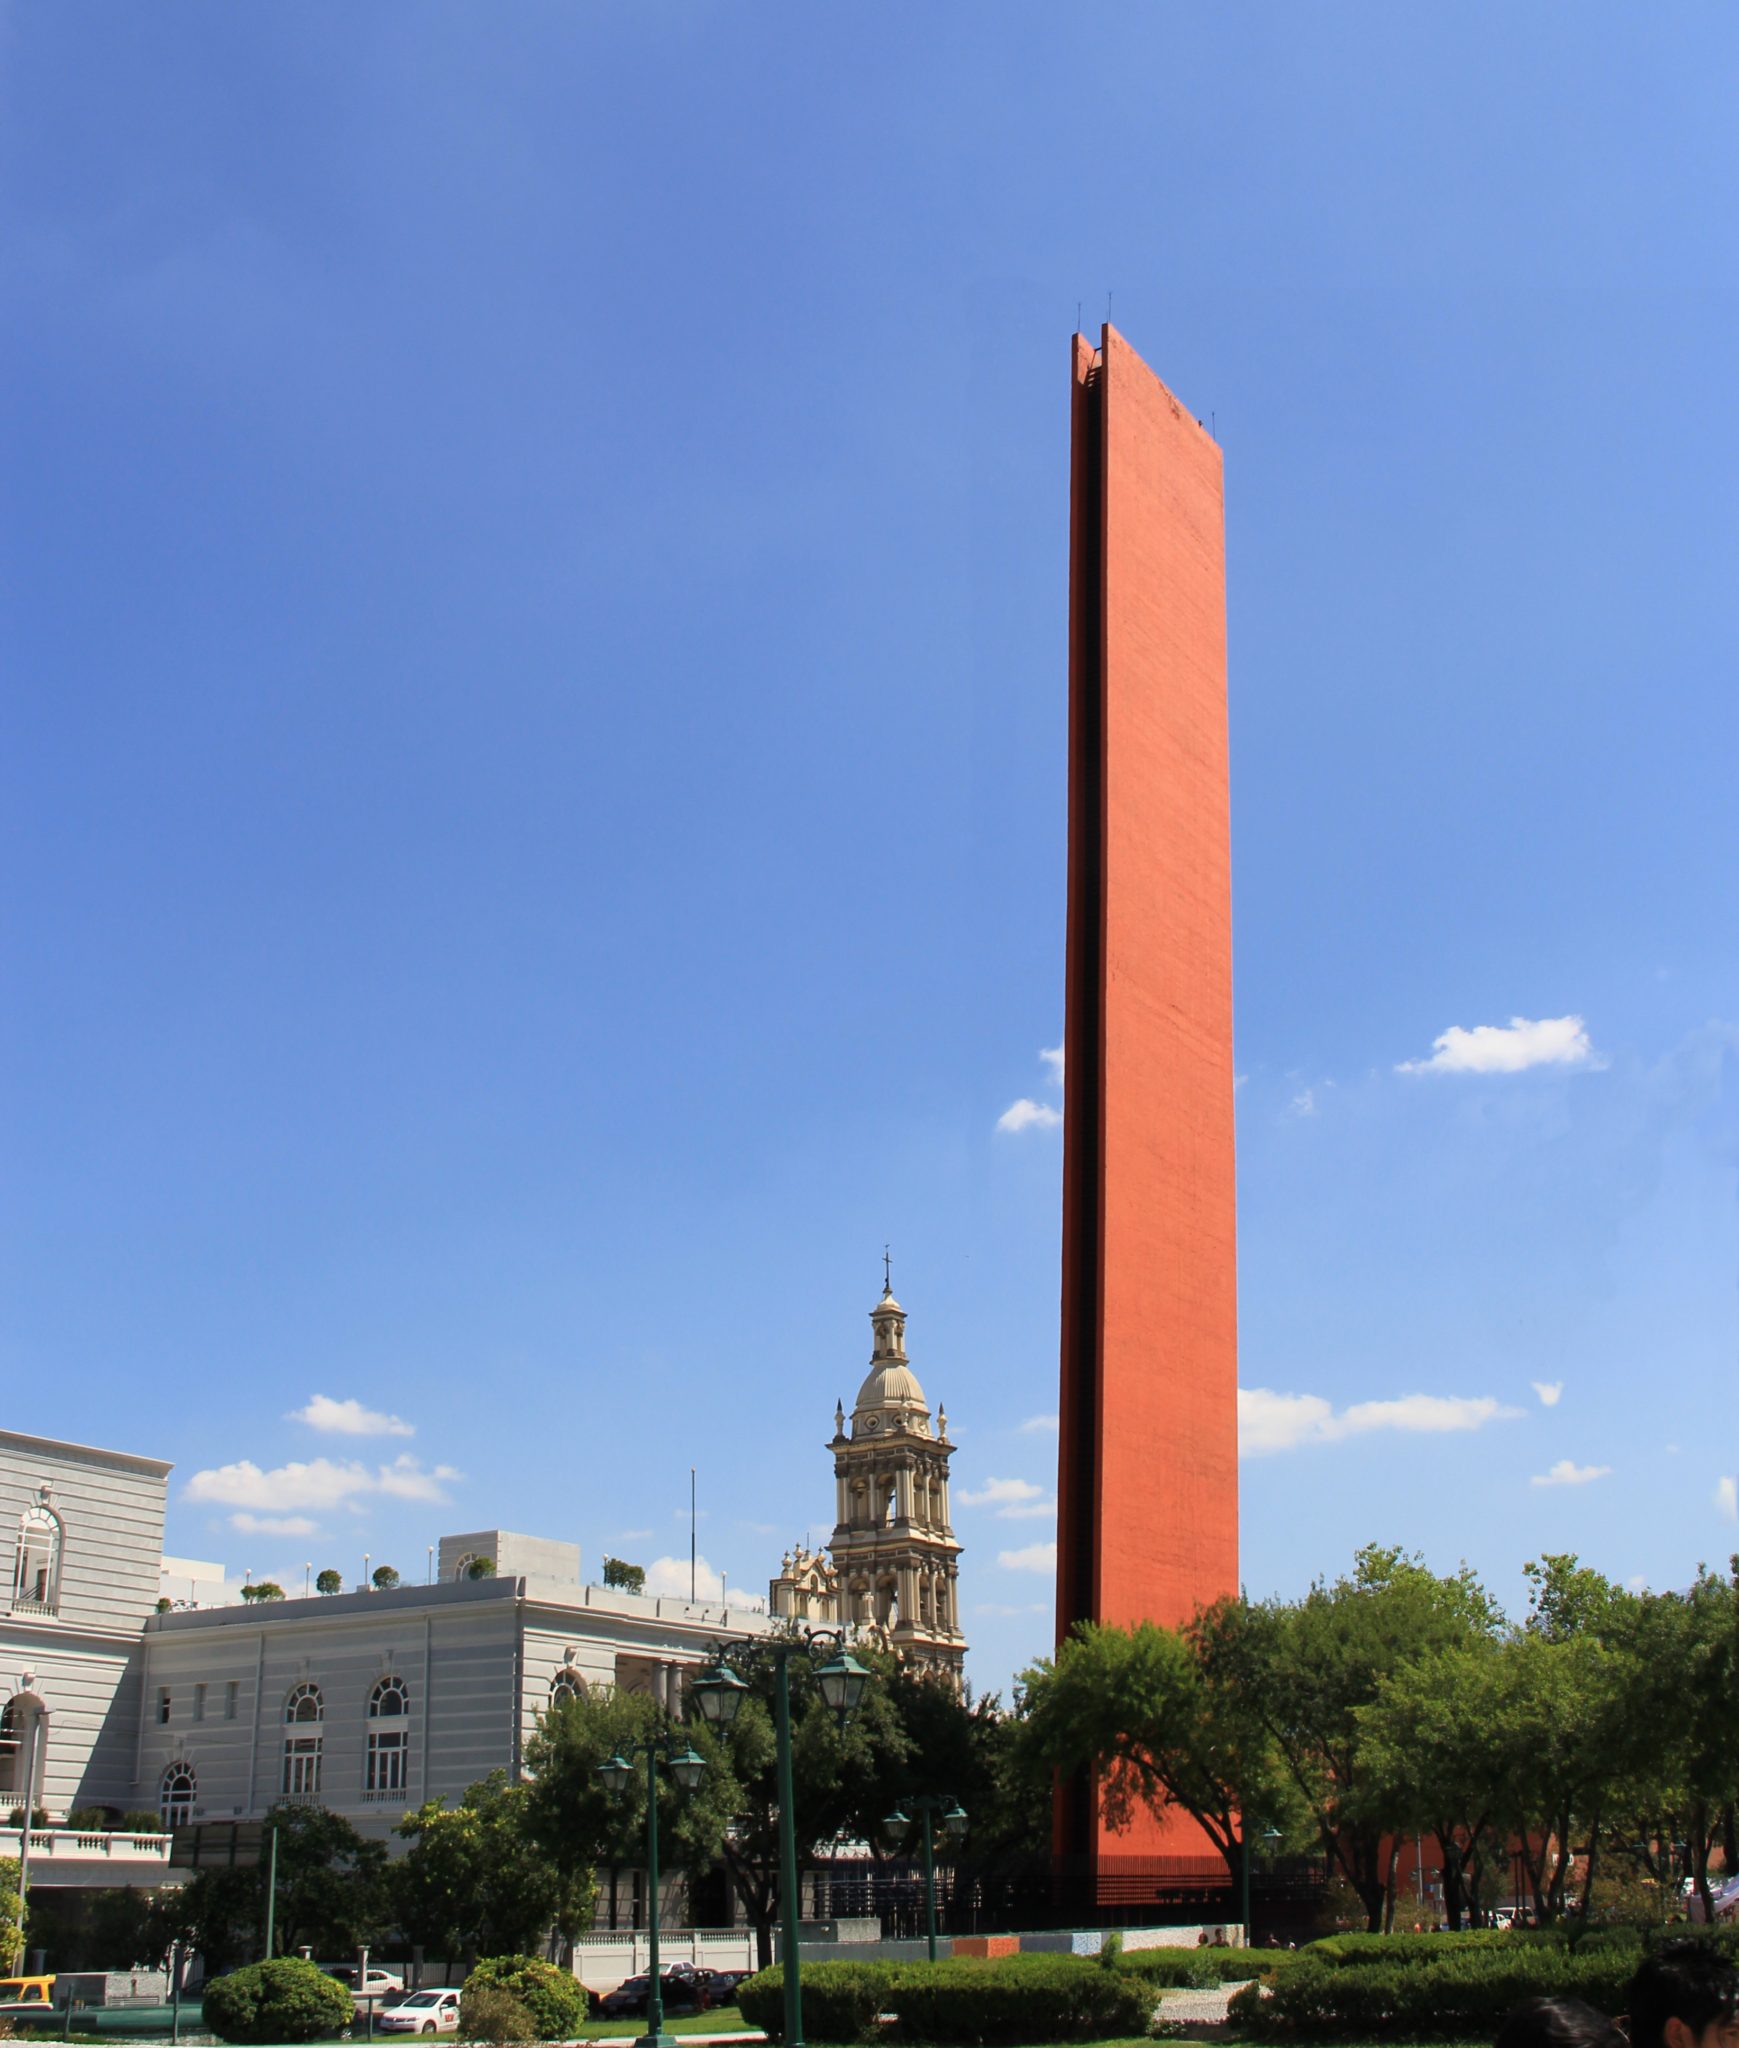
column 21, row 1998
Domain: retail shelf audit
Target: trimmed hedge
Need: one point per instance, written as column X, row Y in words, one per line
column 1457, row 1996
column 841, row 2001
column 966, row 2002
column 1198, row 1968
column 285, row 1998
column 970, row 2003
column 554, row 1999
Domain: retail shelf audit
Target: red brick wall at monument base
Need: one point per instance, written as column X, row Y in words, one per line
column 1148, row 1450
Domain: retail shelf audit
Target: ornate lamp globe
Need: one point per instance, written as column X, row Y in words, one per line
column 842, row 1680
column 616, row 1772
column 718, row 1692
column 688, row 1767
column 955, row 1821
column 896, row 1827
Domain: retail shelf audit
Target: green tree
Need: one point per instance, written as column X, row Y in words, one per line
column 475, row 1880
column 480, row 1568
column 331, row 1894
column 1425, row 1738
column 329, row 1582
column 630, row 1577
column 835, row 1775
column 385, row 1577
column 580, row 1825
column 1306, row 1669
column 263, row 1589
column 11, row 1917
column 1164, row 1725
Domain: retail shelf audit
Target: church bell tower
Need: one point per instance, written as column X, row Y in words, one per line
column 894, row 1553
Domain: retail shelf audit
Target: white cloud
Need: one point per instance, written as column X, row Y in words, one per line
column 1507, row 1048
column 1028, row 1115
column 317, row 1483
column 1270, row 1421
column 1568, row 1473
column 275, row 1525
column 636, row 1535
column 1000, row 1493
column 1551, row 1392
column 1052, row 1055
column 348, row 1418
column 1304, row 1102
column 669, row 1575
column 1041, row 1425
column 1000, row 1607
column 1036, row 1557
column 1727, row 1498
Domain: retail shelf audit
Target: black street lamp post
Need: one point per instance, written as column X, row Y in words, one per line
column 718, row 1692
column 687, row 1767
column 898, row 1825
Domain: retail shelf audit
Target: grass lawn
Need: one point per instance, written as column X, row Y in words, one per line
column 723, row 2019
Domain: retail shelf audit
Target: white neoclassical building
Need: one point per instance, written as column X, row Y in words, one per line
column 369, row 1702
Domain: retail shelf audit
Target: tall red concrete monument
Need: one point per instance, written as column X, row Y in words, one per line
column 1148, row 1463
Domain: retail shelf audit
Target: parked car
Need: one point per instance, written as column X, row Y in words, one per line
column 420, row 2012
column 722, row 1985
column 683, row 1984
column 23, row 1998
column 381, row 1987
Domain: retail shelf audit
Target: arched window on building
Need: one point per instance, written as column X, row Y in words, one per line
column 36, row 1576
column 12, row 1746
column 177, row 1795
column 304, row 1712
column 462, row 1570
column 567, row 1684
column 389, row 1740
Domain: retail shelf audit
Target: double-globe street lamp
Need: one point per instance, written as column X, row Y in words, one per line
column 898, row 1825
column 719, row 1693
column 687, row 1766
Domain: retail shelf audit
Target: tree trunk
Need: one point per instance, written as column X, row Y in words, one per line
column 1389, row 1885
column 1701, row 1844
column 1450, row 1850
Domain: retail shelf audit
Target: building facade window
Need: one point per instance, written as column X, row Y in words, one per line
column 163, row 1706
column 177, row 1796
column 304, row 1713
column 11, row 1748
column 567, row 1684
column 199, row 1702
column 389, row 1740
column 36, row 1573
column 231, row 1694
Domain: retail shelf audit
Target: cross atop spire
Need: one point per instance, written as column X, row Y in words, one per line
column 887, row 1271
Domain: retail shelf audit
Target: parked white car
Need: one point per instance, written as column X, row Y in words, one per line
column 421, row 2012
column 382, row 1986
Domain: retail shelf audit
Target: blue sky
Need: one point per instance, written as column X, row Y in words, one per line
column 532, row 795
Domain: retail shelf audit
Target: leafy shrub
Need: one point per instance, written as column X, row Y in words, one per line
column 841, row 2001
column 488, row 2013
column 1239, row 1965
column 553, row 2000
column 1006, row 1999
column 1198, row 1968
column 141, row 1821
column 1353, row 1951
column 283, row 1999
column 1458, row 1996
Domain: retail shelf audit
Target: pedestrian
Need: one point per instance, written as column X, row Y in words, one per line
column 1685, row 1995
column 1558, row 2023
